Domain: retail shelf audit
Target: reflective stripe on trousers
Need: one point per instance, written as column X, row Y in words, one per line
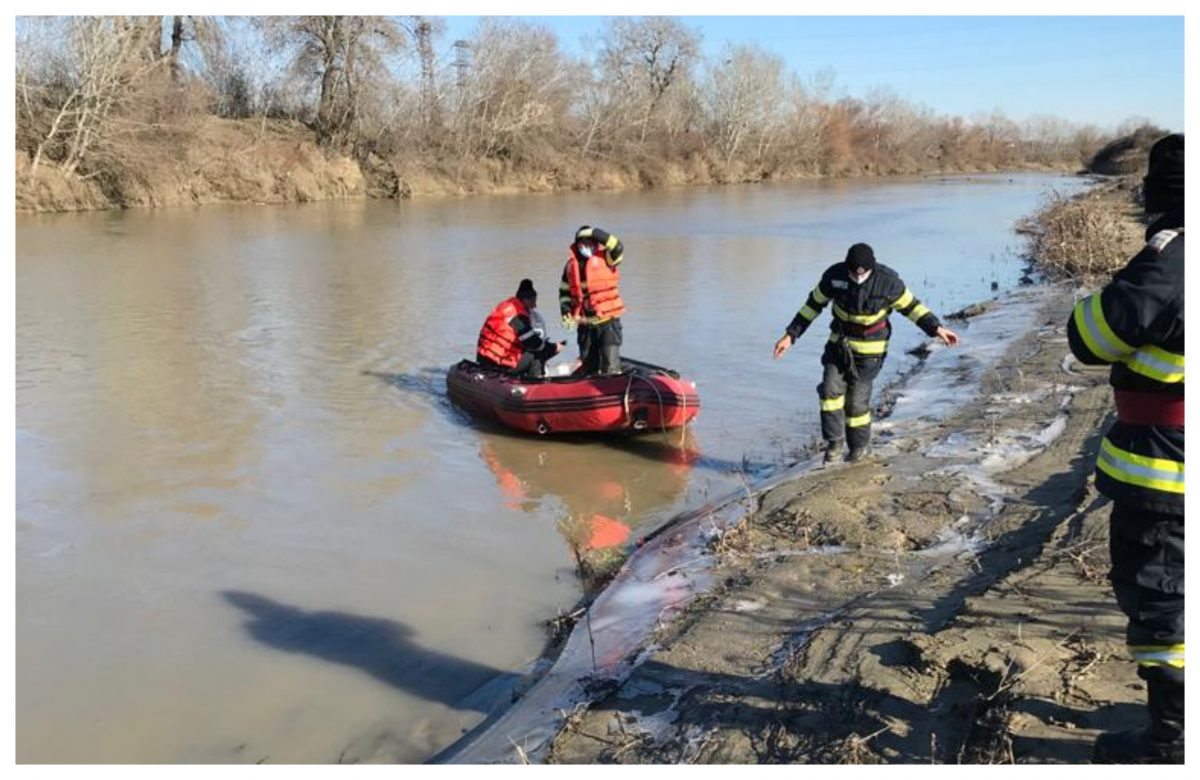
column 1158, row 655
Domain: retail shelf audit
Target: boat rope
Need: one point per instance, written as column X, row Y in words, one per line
column 625, row 400
column 662, row 408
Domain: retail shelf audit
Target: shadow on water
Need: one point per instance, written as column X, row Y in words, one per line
column 671, row 447
column 382, row 648
column 428, row 382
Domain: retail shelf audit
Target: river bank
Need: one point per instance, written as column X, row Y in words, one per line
column 258, row 162
column 945, row 602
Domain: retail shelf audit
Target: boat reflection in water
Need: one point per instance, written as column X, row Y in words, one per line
column 609, row 492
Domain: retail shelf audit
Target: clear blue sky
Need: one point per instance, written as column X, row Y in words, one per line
column 1085, row 69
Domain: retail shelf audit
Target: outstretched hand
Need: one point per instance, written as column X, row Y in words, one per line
column 947, row 336
column 782, row 345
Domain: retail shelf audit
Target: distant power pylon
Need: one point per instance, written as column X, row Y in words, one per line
column 461, row 63
column 430, row 110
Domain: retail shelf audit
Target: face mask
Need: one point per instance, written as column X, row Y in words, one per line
column 584, row 250
column 860, row 278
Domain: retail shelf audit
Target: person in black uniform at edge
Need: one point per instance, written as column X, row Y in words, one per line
column 513, row 337
column 589, row 297
column 864, row 293
column 1136, row 324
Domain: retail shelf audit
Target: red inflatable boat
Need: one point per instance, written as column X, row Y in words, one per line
column 642, row 396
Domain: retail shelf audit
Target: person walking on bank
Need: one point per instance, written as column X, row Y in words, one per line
column 864, row 293
column 590, row 298
column 513, row 337
column 1136, row 324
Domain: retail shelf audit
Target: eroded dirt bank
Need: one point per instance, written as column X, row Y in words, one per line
column 943, row 603
column 210, row 160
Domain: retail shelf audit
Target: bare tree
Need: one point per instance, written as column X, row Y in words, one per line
column 744, row 98
column 1002, row 137
column 647, row 58
column 106, row 64
column 520, row 91
column 195, row 36
column 1047, row 138
column 339, row 54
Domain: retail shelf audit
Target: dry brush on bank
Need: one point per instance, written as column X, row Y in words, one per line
column 1089, row 236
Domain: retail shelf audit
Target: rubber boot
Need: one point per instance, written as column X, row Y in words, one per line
column 1159, row 743
column 858, row 453
column 833, row 451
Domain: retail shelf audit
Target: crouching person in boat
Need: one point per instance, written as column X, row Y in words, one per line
column 589, row 298
column 864, row 293
column 513, row 337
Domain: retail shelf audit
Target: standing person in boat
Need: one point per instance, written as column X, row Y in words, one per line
column 864, row 293
column 1135, row 324
column 589, row 298
column 513, row 338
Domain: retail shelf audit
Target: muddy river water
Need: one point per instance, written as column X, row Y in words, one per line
column 250, row 525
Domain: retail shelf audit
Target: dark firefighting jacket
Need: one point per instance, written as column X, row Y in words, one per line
column 1136, row 325
column 860, row 311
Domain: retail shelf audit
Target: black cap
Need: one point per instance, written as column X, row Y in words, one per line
column 861, row 256
column 525, row 289
column 1163, row 186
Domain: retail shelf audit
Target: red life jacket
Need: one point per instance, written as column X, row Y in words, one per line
column 497, row 340
column 596, row 296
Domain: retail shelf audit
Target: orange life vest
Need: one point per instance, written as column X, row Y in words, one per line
column 596, row 296
column 497, row 340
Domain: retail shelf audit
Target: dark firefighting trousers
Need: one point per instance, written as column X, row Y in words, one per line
column 600, row 347
column 1147, row 577
column 845, row 393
